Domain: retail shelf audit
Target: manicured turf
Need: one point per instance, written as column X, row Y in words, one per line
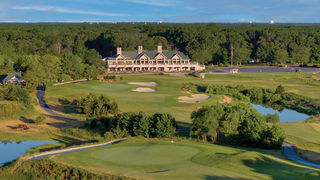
column 165, row 99
column 146, row 155
column 302, row 130
column 194, row 160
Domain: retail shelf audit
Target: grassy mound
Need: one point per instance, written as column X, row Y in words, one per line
column 146, row 155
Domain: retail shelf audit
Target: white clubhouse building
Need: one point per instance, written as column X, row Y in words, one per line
column 140, row 60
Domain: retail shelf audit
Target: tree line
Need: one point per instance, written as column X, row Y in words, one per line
column 204, row 44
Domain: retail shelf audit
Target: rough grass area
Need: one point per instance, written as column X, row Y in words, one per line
column 48, row 169
column 200, row 161
column 5, row 102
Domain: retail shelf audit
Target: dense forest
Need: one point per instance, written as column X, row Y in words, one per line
column 57, row 51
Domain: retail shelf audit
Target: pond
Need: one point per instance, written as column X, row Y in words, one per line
column 10, row 150
column 285, row 115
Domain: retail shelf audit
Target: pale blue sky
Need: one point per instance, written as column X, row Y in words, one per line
column 159, row 10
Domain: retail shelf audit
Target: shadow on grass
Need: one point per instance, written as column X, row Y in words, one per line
column 69, row 141
column 66, row 108
column 159, row 171
column 264, row 165
column 210, row 177
column 183, row 125
column 26, row 120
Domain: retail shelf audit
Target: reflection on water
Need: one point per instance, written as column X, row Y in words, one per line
column 10, row 150
column 285, row 115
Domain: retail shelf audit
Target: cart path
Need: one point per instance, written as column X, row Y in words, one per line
column 290, row 152
column 64, row 151
column 43, row 104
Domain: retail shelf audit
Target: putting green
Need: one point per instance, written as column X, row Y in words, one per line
column 146, row 155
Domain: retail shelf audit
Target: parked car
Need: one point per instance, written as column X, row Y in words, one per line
column 298, row 70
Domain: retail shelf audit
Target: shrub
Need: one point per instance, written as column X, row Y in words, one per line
column 280, row 90
column 108, row 135
column 96, row 106
column 40, row 119
column 240, row 87
column 121, row 78
column 93, row 124
column 255, row 92
column 272, row 118
column 48, row 169
column 274, row 137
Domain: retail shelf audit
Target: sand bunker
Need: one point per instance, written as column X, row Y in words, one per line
column 144, row 83
column 196, row 98
column 144, row 90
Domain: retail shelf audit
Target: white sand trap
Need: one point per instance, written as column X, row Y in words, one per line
column 144, row 83
column 144, row 90
column 196, row 98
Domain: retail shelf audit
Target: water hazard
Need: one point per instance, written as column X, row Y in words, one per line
column 10, row 150
column 285, row 115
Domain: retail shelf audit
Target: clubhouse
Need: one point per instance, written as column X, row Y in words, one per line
column 141, row 61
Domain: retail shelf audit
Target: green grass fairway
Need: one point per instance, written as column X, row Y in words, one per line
column 142, row 158
column 302, row 131
column 146, row 155
column 165, row 99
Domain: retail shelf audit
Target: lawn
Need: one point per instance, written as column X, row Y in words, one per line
column 165, row 99
column 158, row 159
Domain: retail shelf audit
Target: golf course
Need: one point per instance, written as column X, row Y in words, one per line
column 186, row 157
column 159, row 159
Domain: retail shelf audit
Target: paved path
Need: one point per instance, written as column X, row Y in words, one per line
column 71, row 82
column 64, row 151
column 43, row 104
column 290, row 152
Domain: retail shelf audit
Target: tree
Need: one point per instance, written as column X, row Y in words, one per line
column 91, row 72
column 163, row 125
column 72, row 66
column 239, row 124
column 141, row 125
column 52, row 66
column 274, row 137
column 281, row 56
column 280, row 90
column 19, row 94
column 255, row 92
column 272, row 118
column 206, row 122
column 243, row 125
column 97, row 107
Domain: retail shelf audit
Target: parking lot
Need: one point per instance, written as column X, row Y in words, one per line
column 268, row 69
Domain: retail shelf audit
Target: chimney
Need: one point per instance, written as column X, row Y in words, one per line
column 159, row 47
column 119, row 50
column 140, row 49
